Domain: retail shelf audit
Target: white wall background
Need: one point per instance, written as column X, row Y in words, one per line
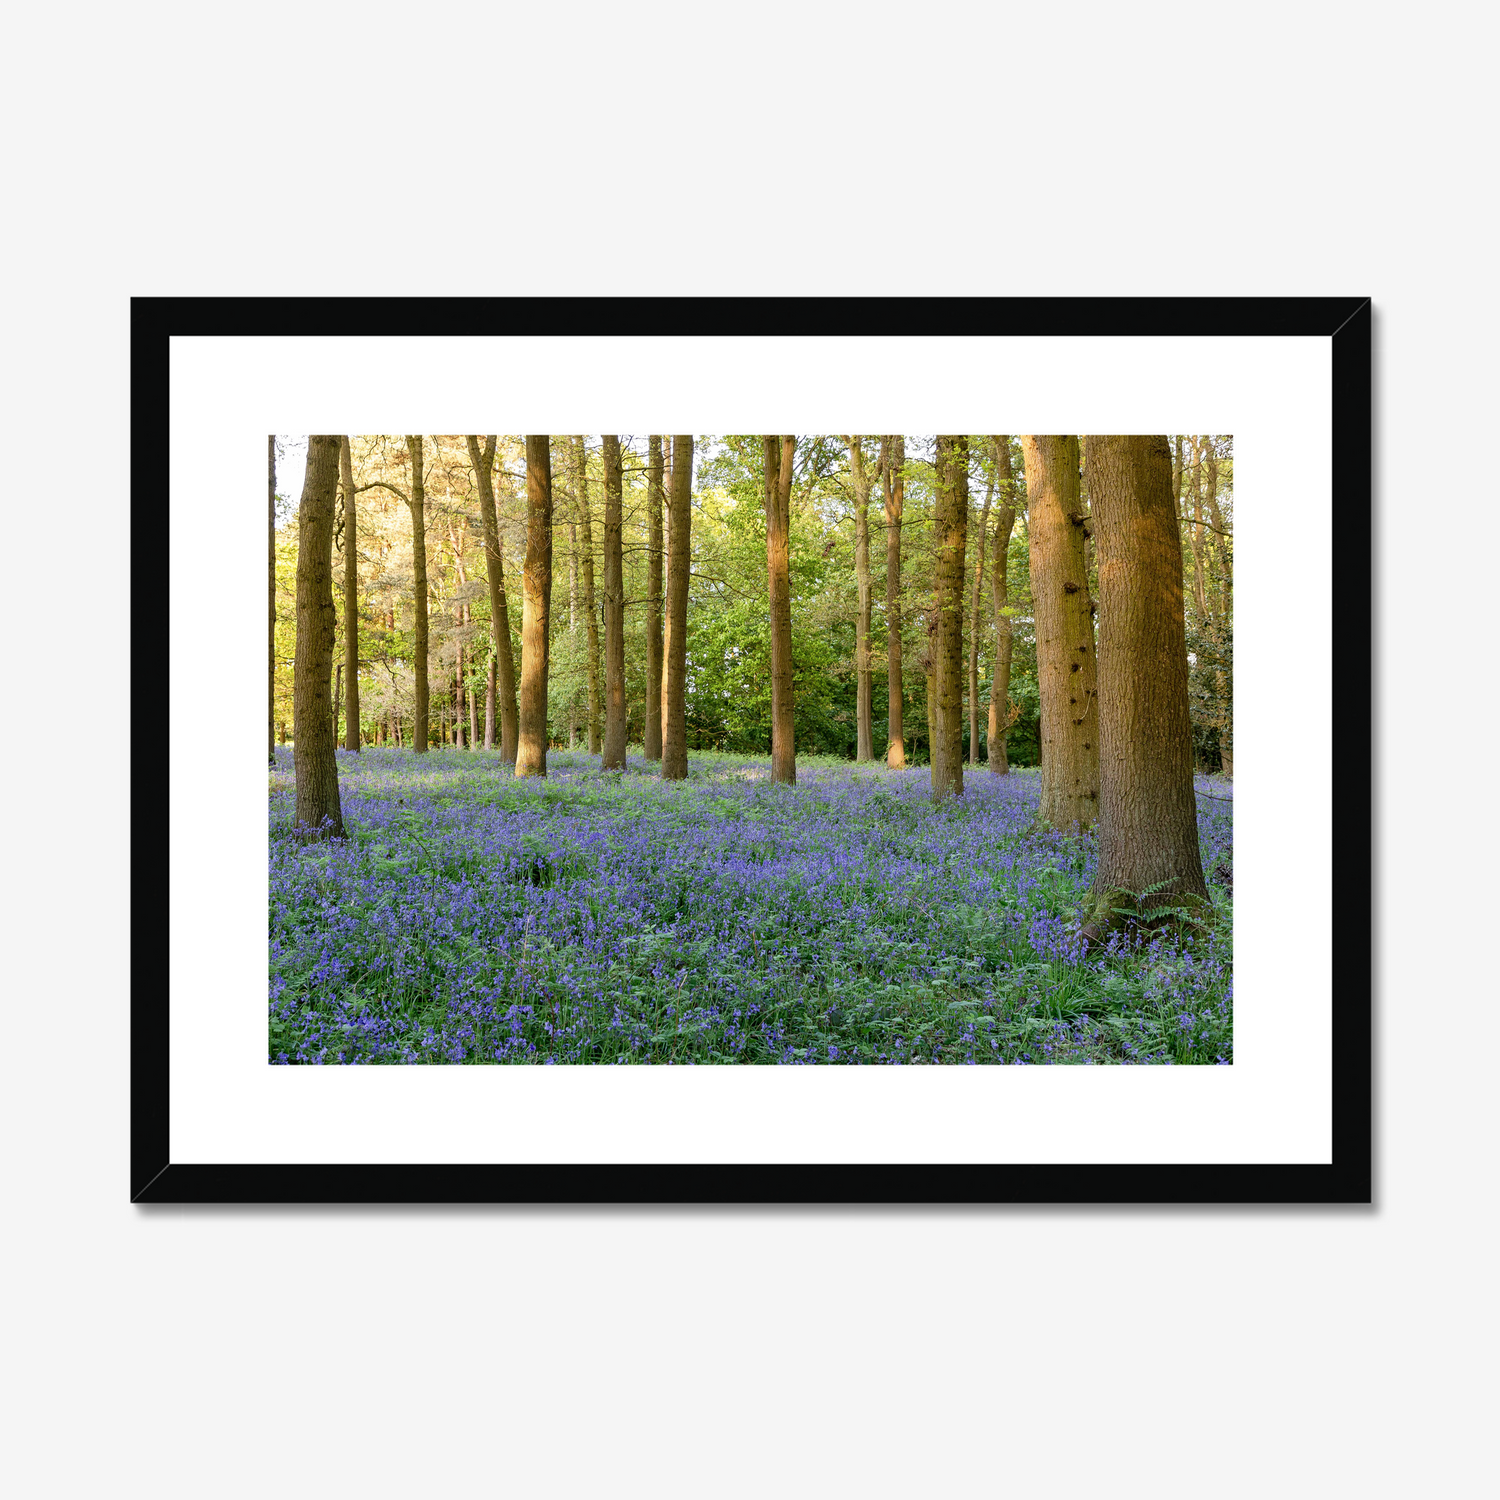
column 1289, row 149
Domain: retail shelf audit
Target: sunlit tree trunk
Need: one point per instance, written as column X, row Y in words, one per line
column 351, row 597
column 614, row 607
column 999, row 724
column 489, row 707
column 573, row 619
column 950, row 526
column 651, row 735
column 667, row 494
column 502, row 666
column 318, row 812
column 472, row 695
column 1148, row 820
column 422, row 715
column 1066, row 670
column 271, row 636
column 338, row 689
column 863, row 739
column 893, row 459
column 674, row 733
column 531, row 751
column 779, row 453
column 984, row 525
column 586, row 528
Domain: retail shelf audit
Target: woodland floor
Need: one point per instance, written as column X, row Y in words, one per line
column 589, row 918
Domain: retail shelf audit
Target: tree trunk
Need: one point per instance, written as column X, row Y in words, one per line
column 489, row 707
column 531, row 750
column 1148, row 819
column 651, row 735
column 573, row 619
column 950, row 526
column 999, row 724
column 892, row 460
column 502, row 666
column 666, row 584
column 318, row 813
column 863, row 739
column 423, row 712
column 1066, row 671
column 586, row 527
column 338, row 692
column 779, row 453
column 614, row 608
column 271, row 637
column 674, row 732
column 1195, row 533
column 929, row 682
column 351, row 597
column 472, row 695
column 984, row 525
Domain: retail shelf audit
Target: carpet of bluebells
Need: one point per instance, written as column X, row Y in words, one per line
column 469, row 917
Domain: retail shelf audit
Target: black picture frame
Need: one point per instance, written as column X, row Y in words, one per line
column 1345, row 321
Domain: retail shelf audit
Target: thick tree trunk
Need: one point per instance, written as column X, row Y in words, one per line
column 674, row 732
column 1148, row 819
column 999, row 724
column 892, row 461
column 586, row 528
column 531, row 750
column 864, row 744
column 1066, row 670
column 502, row 666
column 779, row 453
column 950, row 526
column 614, row 607
column 651, row 735
column 271, row 636
column 984, row 526
column 318, row 812
column 351, row 597
column 422, row 716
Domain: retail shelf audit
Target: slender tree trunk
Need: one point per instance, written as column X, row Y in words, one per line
column 312, row 724
column 1148, row 819
column 502, row 666
column 929, row 683
column 531, row 752
column 674, row 732
column 863, row 739
column 779, row 453
column 1221, row 574
column 586, row 527
column 614, row 608
column 1066, row 670
column 999, row 724
column 950, row 525
column 423, row 712
column 271, row 636
column 489, row 707
column 573, row 619
column 1195, row 533
column 338, row 693
column 893, row 459
column 651, row 735
column 351, row 596
column 984, row 525
column 472, row 696
column 667, row 494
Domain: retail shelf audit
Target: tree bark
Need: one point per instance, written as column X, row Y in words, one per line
column 999, row 724
column 351, row 597
column 892, row 460
column 318, row 814
column 864, row 745
column 531, row 750
column 666, row 584
column 422, row 714
column 271, row 637
column 338, row 690
column 651, row 735
column 779, row 453
column 950, row 526
column 1066, row 671
column 1148, row 819
column 586, row 526
column 614, row 607
column 674, row 732
column 984, row 526
column 489, row 707
column 502, row 665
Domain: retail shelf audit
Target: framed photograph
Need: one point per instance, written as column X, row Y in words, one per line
column 825, row 877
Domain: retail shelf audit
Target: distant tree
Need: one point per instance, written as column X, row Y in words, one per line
column 862, row 485
column 318, row 814
column 502, row 667
column 674, row 731
column 652, row 733
column 892, row 462
column 950, row 522
column 531, row 752
column 1148, row 817
column 779, row 453
column 1000, row 596
column 1066, row 669
column 271, row 629
column 351, row 598
column 614, row 607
